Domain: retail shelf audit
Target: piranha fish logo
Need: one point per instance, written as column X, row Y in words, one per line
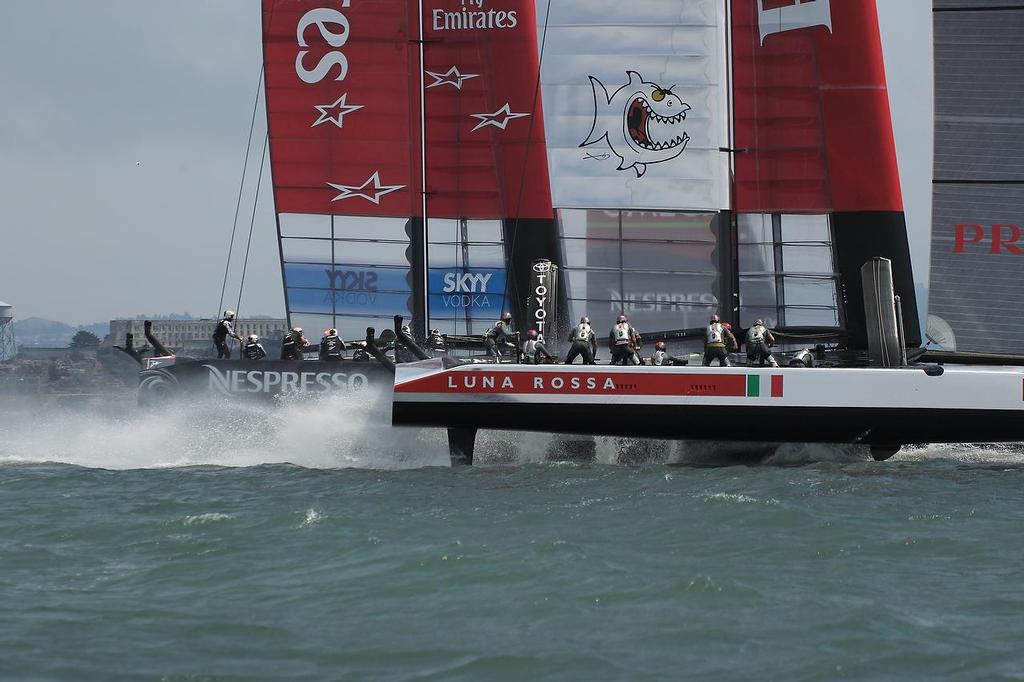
column 641, row 122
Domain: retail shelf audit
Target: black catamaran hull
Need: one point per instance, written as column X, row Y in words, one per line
column 258, row 379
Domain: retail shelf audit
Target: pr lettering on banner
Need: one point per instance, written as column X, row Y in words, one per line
column 1000, row 238
column 779, row 16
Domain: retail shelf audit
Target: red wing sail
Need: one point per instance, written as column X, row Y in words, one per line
column 342, row 107
column 811, row 108
column 485, row 127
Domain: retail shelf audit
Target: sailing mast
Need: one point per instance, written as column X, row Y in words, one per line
column 423, row 323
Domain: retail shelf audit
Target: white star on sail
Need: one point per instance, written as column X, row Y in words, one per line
column 499, row 119
column 371, row 190
column 451, row 77
column 335, row 113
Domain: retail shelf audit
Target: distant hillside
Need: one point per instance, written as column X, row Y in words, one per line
column 37, row 325
column 36, row 331
column 40, row 332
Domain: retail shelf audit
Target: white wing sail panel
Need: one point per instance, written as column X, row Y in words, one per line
column 634, row 104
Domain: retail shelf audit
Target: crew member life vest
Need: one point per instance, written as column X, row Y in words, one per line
column 530, row 349
column 756, row 334
column 221, row 331
column 290, row 348
column 330, row 347
column 253, row 351
column 499, row 331
column 583, row 333
column 621, row 334
column 715, row 335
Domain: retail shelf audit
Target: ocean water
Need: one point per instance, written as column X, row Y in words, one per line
column 310, row 542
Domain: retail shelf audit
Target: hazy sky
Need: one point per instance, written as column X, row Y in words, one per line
column 92, row 88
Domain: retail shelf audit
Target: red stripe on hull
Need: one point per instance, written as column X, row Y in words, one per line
column 562, row 383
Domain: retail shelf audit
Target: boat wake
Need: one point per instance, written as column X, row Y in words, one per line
column 339, row 431
column 326, row 432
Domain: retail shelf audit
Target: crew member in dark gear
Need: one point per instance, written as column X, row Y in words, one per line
column 584, row 343
column 759, row 341
column 716, row 336
column 436, row 345
column 292, row 344
column 403, row 354
column 224, row 329
column 621, row 342
column 332, row 348
column 253, row 349
column 534, row 352
column 499, row 335
column 661, row 358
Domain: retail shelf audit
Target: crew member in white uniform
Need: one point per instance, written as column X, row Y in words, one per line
column 716, row 336
column 622, row 340
column 759, row 341
column 584, row 343
column 661, row 358
column 534, row 352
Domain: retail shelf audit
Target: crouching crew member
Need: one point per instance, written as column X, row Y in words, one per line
column 332, row 348
column 534, row 352
column 253, row 349
column 224, row 329
column 584, row 343
column 622, row 341
column 292, row 344
column 661, row 358
column 759, row 342
column 716, row 336
column 500, row 334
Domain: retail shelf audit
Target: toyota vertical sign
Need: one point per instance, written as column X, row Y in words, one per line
column 542, row 307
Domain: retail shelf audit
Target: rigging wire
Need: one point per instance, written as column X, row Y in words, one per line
column 252, row 221
column 241, row 185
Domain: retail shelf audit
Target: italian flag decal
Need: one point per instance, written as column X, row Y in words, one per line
column 754, row 386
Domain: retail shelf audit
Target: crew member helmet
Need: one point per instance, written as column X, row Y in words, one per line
column 584, row 320
column 331, row 332
column 253, row 338
column 758, row 323
column 297, row 330
column 714, row 318
column 660, row 345
column 621, row 318
column 229, row 314
column 407, row 330
column 531, row 334
column 727, row 326
column 506, row 317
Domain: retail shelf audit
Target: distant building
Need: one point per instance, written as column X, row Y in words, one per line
column 193, row 337
column 7, row 347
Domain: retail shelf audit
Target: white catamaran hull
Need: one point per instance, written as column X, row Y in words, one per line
column 883, row 408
